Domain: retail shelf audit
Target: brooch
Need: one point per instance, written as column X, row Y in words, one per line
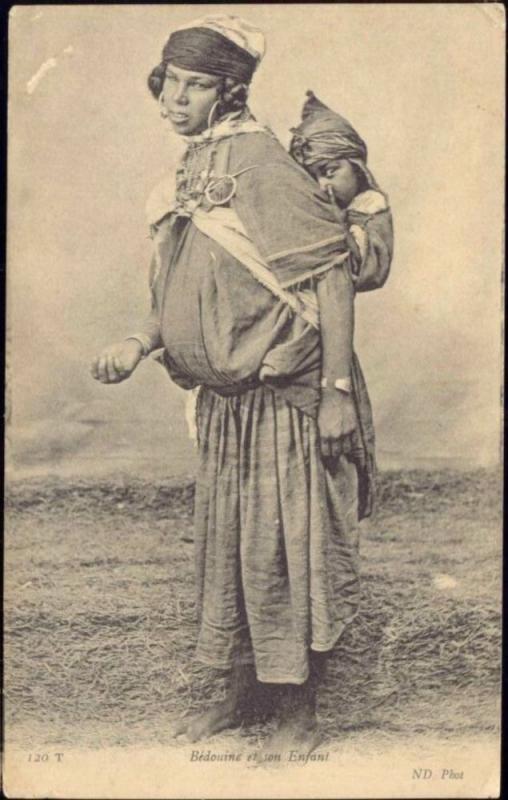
column 221, row 190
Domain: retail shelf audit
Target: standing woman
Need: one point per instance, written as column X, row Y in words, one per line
column 252, row 301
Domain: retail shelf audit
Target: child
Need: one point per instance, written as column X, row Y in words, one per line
column 332, row 152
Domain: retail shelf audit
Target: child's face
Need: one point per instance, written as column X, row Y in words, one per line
column 339, row 177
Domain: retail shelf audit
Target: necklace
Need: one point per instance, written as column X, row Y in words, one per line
column 195, row 177
column 194, row 173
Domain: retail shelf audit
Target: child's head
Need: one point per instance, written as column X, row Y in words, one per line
column 340, row 177
column 331, row 151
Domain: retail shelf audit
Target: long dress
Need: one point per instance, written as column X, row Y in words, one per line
column 276, row 531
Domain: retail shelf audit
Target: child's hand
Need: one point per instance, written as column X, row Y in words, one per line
column 336, row 420
column 353, row 247
column 117, row 362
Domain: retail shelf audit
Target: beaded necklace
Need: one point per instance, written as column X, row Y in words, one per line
column 194, row 173
column 196, row 169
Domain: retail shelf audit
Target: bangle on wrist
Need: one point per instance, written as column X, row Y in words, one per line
column 143, row 341
column 341, row 384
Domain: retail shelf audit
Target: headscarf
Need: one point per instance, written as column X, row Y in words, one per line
column 325, row 136
column 222, row 45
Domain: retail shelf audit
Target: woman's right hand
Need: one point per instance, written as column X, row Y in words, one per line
column 117, row 362
column 337, row 421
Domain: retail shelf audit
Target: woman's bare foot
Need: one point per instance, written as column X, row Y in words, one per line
column 297, row 727
column 300, row 738
column 245, row 700
column 218, row 718
column 300, row 733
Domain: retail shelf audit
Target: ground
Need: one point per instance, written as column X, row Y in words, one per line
column 100, row 626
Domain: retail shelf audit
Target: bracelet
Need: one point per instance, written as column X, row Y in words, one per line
column 144, row 341
column 341, row 384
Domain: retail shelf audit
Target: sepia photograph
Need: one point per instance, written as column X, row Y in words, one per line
column 254, row 401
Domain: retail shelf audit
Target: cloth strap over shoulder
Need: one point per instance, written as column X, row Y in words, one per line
column 225, row 227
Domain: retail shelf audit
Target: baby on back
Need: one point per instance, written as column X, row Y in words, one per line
column 328, row 147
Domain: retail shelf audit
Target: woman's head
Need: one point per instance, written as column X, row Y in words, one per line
column 205, row 71
column 189, row 98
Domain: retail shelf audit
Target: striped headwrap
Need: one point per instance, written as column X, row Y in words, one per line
column 222, row 45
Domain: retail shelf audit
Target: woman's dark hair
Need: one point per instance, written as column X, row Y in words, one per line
column 232, row 95
column 156, row 80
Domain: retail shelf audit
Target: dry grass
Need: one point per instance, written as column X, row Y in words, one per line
column 100, row 621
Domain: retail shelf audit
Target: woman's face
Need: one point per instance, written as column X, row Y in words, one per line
column 340, row 177
column 188, row 98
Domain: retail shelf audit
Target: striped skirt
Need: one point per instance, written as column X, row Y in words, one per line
column 276, row 536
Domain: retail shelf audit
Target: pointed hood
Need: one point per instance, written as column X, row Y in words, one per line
column 325, row 136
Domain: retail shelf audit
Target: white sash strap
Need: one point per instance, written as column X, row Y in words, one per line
column 224, row 226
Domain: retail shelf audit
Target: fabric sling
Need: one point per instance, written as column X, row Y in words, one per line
column 225, row 227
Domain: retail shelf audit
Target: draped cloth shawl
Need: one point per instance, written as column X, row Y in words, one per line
column 283, row 211
column 292, row 227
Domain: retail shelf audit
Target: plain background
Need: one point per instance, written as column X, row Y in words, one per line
column 423, row 84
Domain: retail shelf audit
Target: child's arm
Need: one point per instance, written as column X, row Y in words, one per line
column 337, row 417
column 370, row 225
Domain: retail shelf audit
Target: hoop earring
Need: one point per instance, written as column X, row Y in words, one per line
column 162, row 109
column 212, row 112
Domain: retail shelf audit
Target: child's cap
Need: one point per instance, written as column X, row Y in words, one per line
column 323, row 135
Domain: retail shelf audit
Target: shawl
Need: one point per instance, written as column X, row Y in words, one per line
column 277, row 217
column 281, row 209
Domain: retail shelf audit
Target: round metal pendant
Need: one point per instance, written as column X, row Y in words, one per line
column 220, row 191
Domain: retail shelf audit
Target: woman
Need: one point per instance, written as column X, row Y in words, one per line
column 253, row 303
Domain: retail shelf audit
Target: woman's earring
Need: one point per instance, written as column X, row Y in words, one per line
column 212, row 113
column 162, row 108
